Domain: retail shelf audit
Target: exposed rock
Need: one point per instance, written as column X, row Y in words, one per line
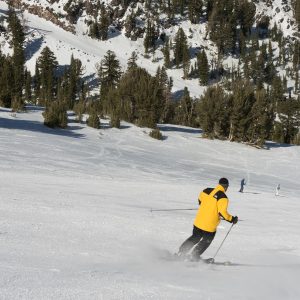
column 44, row 13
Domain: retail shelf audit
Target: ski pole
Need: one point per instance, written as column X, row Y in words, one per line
column 172, row 209
column 222, row 242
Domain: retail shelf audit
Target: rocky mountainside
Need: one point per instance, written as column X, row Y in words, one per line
column 126, row 23
column 68, row 13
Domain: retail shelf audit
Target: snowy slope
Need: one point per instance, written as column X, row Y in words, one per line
column 43, row 33
column 75, row 220
column 280, row 13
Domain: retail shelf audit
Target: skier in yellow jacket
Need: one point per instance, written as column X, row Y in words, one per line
column 213, row 207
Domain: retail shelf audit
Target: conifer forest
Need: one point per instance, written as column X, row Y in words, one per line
column 247, row 72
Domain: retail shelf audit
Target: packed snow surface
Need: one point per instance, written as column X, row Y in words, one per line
column 76, row 220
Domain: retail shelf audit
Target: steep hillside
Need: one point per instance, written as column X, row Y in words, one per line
column 72, row 21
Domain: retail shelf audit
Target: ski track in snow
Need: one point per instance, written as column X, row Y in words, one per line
column 75, row 220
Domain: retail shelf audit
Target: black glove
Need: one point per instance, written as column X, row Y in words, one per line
column 234, row 219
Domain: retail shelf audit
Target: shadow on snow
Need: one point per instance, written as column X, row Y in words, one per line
column 174, row 128
column 38, row 127
column 271, row 145
column 33, row 47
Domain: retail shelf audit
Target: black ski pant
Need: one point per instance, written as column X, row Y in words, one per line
column 202, row 239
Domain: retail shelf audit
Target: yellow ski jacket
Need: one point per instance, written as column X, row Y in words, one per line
column 213, row 207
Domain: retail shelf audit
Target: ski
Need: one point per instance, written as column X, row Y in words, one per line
column 168, row 256
column 208, row 260
column 213, row 262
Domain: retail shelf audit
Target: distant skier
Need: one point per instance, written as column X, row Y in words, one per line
column 277, row 190
column 213, row 206
column 243, row 183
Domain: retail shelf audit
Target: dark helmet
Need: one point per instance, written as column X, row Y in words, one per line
column 224, row 182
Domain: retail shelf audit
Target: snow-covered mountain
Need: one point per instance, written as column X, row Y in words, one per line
column 49, row 23
column 75, row 219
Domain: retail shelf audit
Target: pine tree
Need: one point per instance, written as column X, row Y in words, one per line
column 18, row 57
column 254, row 43
column 130, row 25
column 209, row 4
column 246, row 15
column 28, row 87
column 55, row 115
column 242, row 44
column 259, row 68
column 186, row 62
column 164, row 80
column 165, row 107
column 284, row 84
column 240, row 119
column 132, row 61
column 178, row 6
column 297, row 13
column 115, row 120
column 195, row 10
column 47, row 65
column 262, row 118
column 113, row 98
column 297, row 83
column 139, row 97
column 181, row 48
column 104, row 24
column 288, row 112
column 203, row 68
column 222, row 25
column 213, row 112
column 186, row 109
column 277, row 90
column 62, row 87
column 37, row 84
column 296, row 56
column 169, row 10
column 270, row 70
column 157, row 96
column 166, row 52
column 73, row 75
column 274, row 32
column 79, row 109
column 109, row 72
column 149, row 40
column 6, row 79
column 93, row 120
column 94, row 30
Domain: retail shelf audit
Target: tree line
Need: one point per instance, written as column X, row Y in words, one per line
column 252, row 105
column 243, row 111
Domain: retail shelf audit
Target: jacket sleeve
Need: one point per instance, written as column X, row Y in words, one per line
column 222, row 209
